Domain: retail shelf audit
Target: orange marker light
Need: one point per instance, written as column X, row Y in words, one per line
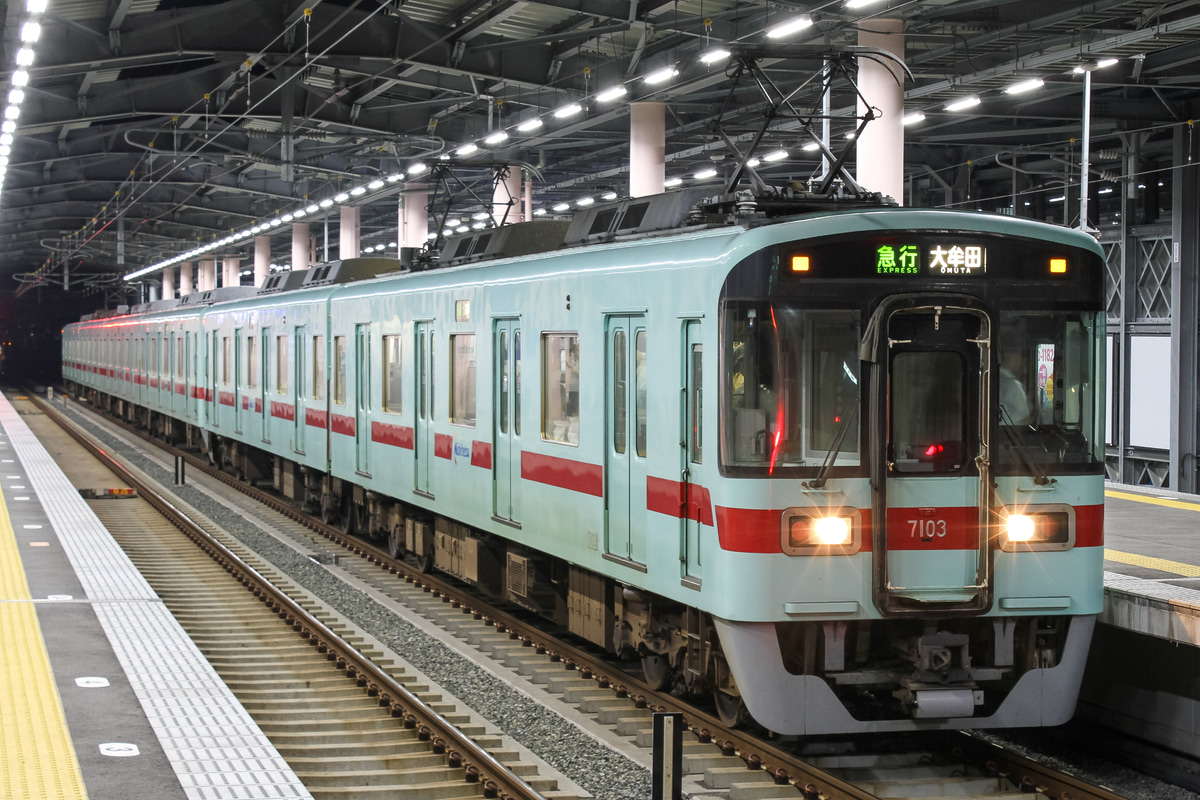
column 1058, row 266
column 799, row 263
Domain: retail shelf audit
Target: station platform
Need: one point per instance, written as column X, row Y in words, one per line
column 102, row 694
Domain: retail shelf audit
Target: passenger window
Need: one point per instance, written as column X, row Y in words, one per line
column 391, row 374
column 640, row 378
column 339, row 370
column 560, row 387
column 318, row 368
column 462, row 379
column 696, row 403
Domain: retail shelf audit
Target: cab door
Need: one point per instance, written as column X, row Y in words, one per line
column 506, row 435
column 932, row 552
column 625, row 438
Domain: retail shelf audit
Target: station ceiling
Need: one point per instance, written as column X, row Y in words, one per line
column 151, row 127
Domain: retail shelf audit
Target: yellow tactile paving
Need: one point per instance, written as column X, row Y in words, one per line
column 36, row 757
column 1160, row 564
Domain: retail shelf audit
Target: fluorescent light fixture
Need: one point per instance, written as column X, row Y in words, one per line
column 395, row 176
column 448, row 232
column 776, row 155
column 531, row 124
column 964, row 103
column 1025, row 86
column 272, row 223
column 341, row 198
column 31, row 32
column 609, row 196
column 497, row 137
column 569, row 110
column 480, row 215
column 24, row 57
column 1105, row 190
column 36, row 6
column 462, row 229
column 358, row 191
column 612, row 93
column 375, row 184
column 585, row 201
column 859, row 3
column 314, row 208
column 20, row 78
column 326, row 203
column 661, row 75
column 453, row 222
column 478, row 226
column 714, row 55
column 16, row 97
column 913, row 118
column 562, row 207
column 1058, row 199
column 417, row 168
column 288, row 217
column 466, row 149
column 791, row 26
column 539, row 212
column 431, row 236
column 669, row 182
column 811, row 146
column 705, row 174
column 754, row 162
column 1106, row 62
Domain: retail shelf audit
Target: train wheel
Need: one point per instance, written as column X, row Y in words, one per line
column 395, row 542
column 425, row 562
column 656, row 670
column 730, row 709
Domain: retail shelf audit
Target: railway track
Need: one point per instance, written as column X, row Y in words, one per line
column 719, row 761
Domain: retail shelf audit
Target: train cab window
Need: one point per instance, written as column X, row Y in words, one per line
column 1049, row 405
column 391, row 374
column 251, row 362
column 281, row 364
column 927, row 422
column 339, row 370
column 791, row 386
column 560, row 387
column 318, row 368
column 462, row 379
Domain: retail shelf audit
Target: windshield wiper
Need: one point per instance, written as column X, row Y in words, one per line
column 831, row 456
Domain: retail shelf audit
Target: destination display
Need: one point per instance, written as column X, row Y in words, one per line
column 938, row 259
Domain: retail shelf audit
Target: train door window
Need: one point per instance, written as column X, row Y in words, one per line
column 560, row 387
column 391, row 374
column 927, row 390
column 462, row 379
column 640, row 379
column 166, row 356
column 516, row 383
column 620, row 388
column 281, row 364
column 502, row 411
column 179, row 361
column 226, row 359
column 339, row 370
column 696, row 402
column 318, row 368
column 252, row 362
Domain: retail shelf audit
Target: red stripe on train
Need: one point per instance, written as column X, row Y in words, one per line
column 563, row 473
column 667, row 497
column 392, row 434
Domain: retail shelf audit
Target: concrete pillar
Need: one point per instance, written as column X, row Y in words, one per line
column 506, row 199
column 208, row 275
column 647, row 148
column 348, row 237
column 231, row 274
column 301, row 249
column 880, row 149
column 262, row 258
column 185, row 279
column 528, row 198
column 414, row 215
column 168, row 283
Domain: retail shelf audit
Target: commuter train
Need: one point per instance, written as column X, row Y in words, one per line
column 839, row 466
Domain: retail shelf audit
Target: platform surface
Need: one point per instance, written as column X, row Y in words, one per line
column 102, row 694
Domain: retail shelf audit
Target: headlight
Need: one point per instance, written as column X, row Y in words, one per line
column 1045, row 528
column 810, row 531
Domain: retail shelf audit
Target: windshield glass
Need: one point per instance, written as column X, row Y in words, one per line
column 792, row 380
column 1050, row 406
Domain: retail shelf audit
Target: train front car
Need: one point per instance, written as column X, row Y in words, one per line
column 912, row 426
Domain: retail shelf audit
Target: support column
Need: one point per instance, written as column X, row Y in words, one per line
column 231, row 274
column 506, row 199
column 262, row 257
column 185, row 279
column 880, row 149
column 348, row 238
column 300, row 249
column 208, row 275
column 414, row 215
column 647, row 148
column 1185, row 305
column 168, row 283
